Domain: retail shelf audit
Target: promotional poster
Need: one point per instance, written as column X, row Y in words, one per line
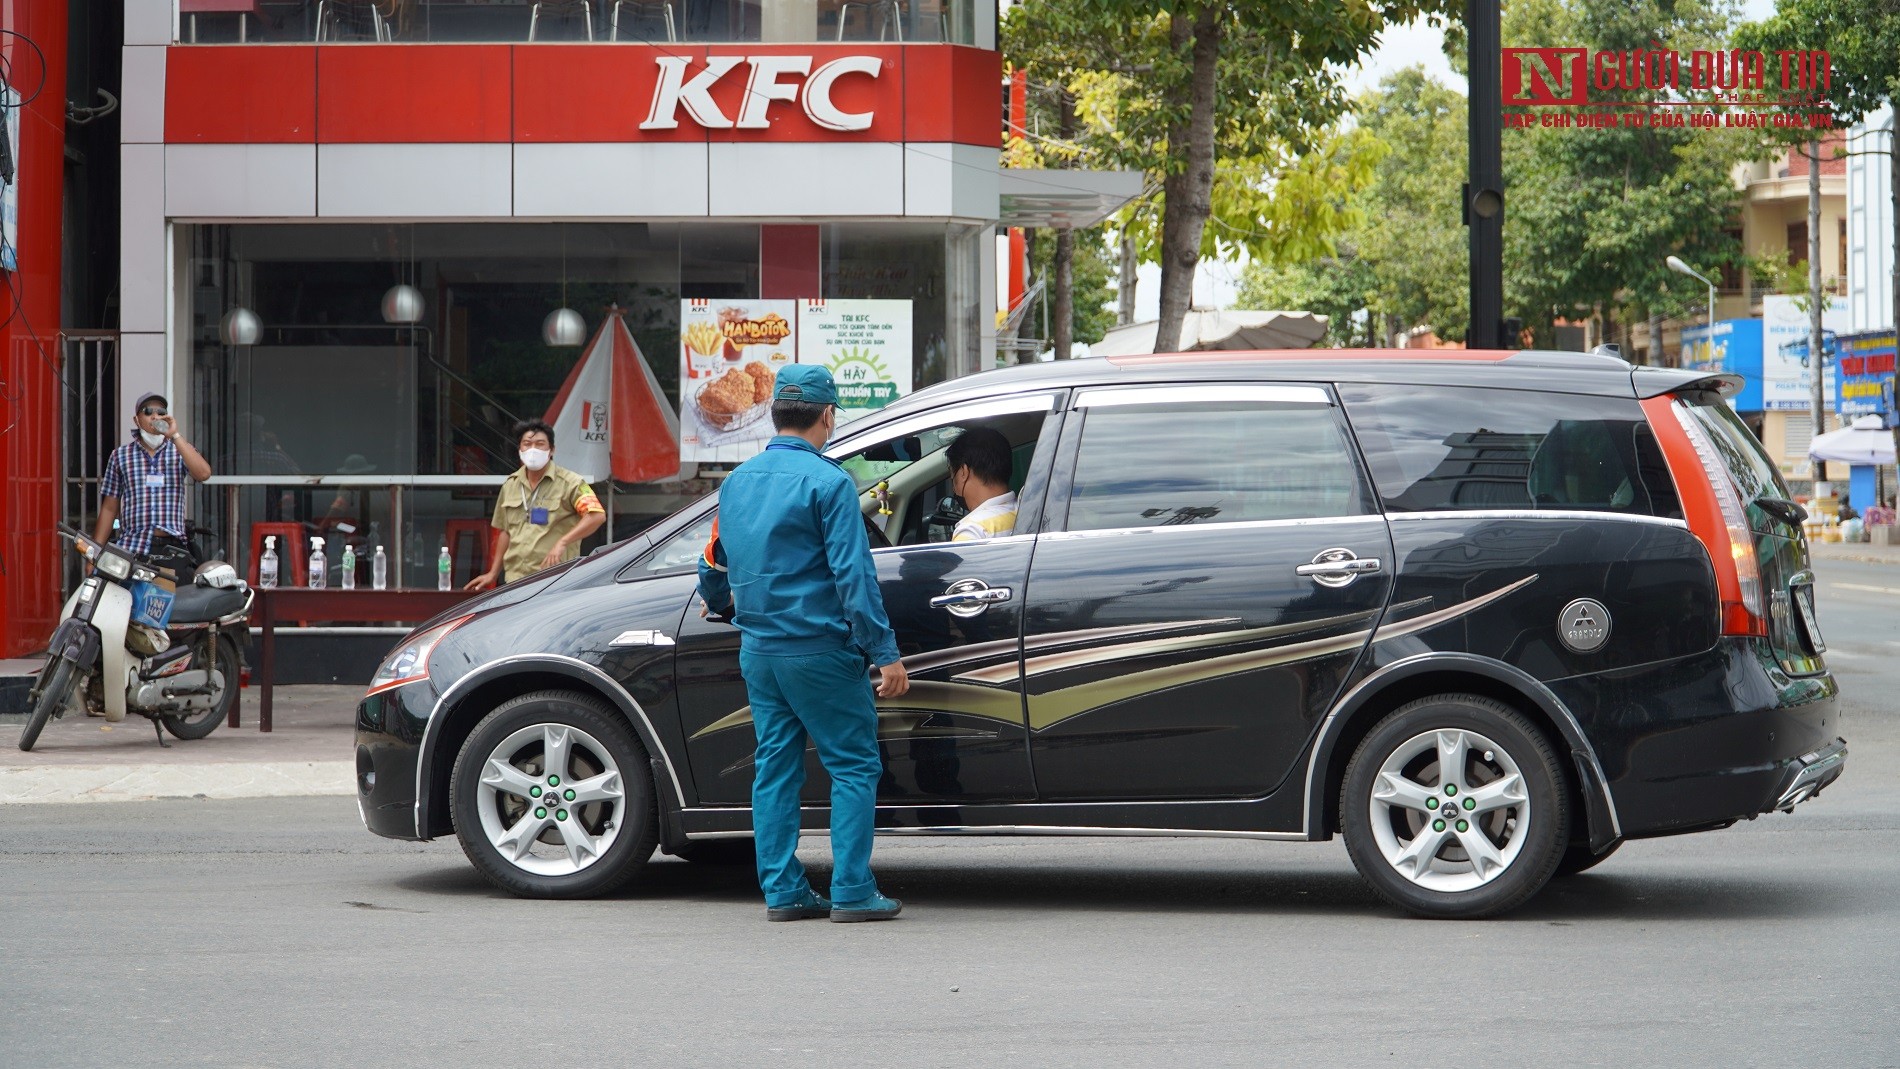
column 867, row 346
column 730, row 351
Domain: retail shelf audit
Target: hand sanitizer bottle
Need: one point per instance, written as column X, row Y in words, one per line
column 442, row 566
column 319, row 568
column 379, row 570
column 267, row 564
column 348, row 579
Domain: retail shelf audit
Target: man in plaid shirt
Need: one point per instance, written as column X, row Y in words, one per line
column 144, row 483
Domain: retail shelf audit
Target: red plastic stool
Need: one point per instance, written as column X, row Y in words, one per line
column 481, row 534
column 291, row 570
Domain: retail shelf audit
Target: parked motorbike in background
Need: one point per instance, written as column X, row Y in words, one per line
column 136, row 637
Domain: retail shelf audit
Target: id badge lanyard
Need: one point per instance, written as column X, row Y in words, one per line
column 537, row 514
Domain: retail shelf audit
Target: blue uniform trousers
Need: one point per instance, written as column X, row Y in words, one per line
column 828, row 697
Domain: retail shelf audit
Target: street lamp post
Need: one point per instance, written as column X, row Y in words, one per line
column 1675, row 264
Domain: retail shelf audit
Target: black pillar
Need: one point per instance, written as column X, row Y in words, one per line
column 1484, row 185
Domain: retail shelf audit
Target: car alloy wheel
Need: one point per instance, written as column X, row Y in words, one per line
column 553, row 799
column 1454, row 807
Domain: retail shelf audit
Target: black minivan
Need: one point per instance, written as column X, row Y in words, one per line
column 1485, row 614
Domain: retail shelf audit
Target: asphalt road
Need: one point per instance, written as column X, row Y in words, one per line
column 278, row 933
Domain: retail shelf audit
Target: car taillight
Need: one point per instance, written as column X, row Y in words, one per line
column 1715, row 513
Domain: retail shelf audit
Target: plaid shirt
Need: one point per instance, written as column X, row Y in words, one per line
column 151, row 492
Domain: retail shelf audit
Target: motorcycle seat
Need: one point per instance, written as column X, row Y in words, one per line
column 196, row 604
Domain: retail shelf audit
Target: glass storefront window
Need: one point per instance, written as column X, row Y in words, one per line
column 640, row 21
column 339, row 422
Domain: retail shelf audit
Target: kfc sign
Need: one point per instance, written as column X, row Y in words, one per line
column 767, row 79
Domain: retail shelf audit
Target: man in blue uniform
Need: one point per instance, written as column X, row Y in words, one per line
column 790, row 563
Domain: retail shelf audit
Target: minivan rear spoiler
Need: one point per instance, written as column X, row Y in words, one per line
column 1701, row 387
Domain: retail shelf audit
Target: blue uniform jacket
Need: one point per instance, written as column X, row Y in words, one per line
column 789, row 558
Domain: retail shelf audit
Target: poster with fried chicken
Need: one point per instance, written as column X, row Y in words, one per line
column 730, row 351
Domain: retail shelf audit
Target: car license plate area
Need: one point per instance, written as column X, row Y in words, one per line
column 1810, row 623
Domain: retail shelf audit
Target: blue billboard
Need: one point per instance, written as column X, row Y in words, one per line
column 1734, row 350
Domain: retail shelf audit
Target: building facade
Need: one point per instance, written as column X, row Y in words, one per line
column 290, row 166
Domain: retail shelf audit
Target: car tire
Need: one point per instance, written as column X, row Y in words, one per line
column 206, row 721
column 1579, row 858
column 733, row 852
column 553, row 798
column 1475, row 844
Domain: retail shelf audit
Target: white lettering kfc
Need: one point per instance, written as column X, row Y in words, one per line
column 765, row 83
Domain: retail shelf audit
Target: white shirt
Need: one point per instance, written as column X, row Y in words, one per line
column 992, row 519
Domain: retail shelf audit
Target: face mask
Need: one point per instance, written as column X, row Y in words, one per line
column 152, row 440
column 535, row 459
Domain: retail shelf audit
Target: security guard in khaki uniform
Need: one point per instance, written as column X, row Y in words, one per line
column 543, row 513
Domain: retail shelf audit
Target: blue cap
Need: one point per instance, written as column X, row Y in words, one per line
column 805, row 382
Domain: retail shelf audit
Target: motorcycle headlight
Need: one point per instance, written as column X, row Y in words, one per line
column 114, row 565
column 409, row 662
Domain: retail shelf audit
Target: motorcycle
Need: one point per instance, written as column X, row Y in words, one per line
column 134, row 639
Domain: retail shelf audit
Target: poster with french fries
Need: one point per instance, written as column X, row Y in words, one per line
column 730, row 351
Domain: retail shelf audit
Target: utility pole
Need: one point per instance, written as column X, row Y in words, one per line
column 1817, row 369
column 1484, row 184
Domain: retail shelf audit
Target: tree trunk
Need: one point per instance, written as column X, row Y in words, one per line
column 1656, row 357
column 1125, row 280
column 1190, row 191
column 1064, row 281
column 1817, row 369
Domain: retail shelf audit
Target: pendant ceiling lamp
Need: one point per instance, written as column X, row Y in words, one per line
column 240, row 326
column 403, row 303
column 563, row 327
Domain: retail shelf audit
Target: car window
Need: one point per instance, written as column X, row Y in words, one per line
column 910, row 460
column 1205, row 462
column 680, row 552
column 1437, row 448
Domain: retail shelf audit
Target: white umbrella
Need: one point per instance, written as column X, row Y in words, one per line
column 1210, row 328
column 1864, row 442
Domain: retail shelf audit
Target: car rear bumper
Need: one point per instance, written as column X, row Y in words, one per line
column 1813, row 773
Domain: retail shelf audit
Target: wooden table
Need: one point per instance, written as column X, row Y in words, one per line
column 358, row 606
column 240, row 8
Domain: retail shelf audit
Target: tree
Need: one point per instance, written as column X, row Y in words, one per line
column 1592, row 214
column 1413, row 239
column 1228, row 105
column 1862, row 41
column 1090, row 313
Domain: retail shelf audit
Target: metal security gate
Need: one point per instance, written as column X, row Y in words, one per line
column 89, row 411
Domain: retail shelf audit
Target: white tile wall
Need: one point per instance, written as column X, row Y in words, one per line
column 804, row 180
column 241, row 181
column 142, row 366
column 950, row 181
column 609, row 181
column 415, row 181
column 142, row 262
column 142, row 105
column 148, row 22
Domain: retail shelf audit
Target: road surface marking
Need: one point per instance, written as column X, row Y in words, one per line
column 1863, row 586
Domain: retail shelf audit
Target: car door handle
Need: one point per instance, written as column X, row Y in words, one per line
column 988, row 595
column 1355, row 566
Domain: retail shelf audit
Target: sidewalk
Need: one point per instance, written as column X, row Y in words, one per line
column 1864, row 552
column 310, row 751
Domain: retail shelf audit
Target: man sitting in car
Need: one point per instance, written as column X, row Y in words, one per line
column 980, row 466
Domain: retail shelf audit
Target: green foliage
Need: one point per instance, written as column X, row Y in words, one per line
column 1093, row 281
column 1592, row 214
column 1415, row 242
column 1862, row 40
column 1285, row 174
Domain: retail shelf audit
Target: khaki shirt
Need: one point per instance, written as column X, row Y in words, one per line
column 564, row 494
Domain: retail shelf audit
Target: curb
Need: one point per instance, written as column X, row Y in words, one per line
column 138, row 783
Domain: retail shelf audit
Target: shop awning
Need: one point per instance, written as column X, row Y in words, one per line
column 1042, row 198
column 1211, row 328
